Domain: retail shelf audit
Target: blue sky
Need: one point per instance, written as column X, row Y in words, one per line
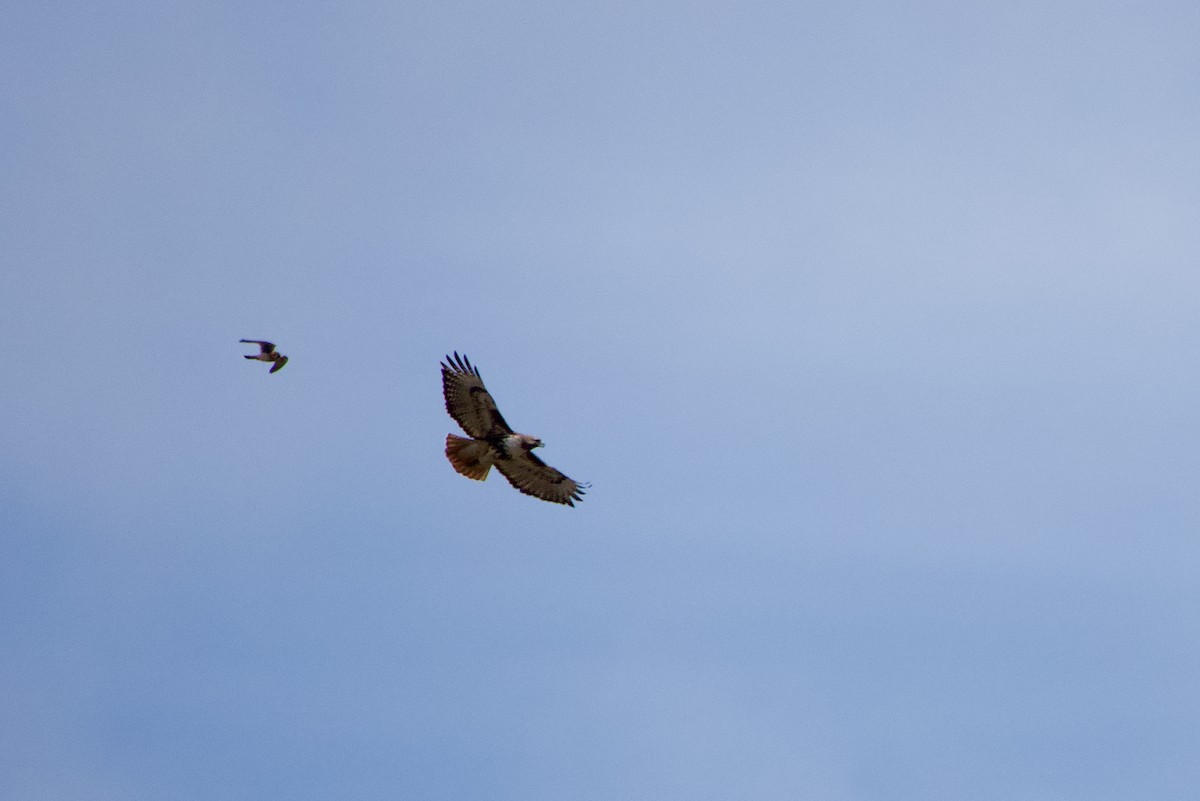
column 872, row 324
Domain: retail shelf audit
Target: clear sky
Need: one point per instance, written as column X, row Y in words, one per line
column 873, row 325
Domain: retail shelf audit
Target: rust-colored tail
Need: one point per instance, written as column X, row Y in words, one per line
column 470, row 457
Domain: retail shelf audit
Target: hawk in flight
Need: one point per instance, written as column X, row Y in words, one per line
column 267, row 354
column 493, row 442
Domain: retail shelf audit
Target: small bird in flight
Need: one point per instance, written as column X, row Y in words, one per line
column 493, row 442
column 267, row 354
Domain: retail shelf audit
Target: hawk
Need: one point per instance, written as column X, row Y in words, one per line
column 493, row 442
column 267, row 354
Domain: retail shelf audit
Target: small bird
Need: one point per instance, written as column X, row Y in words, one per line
column 267, row 354
column 493, row 442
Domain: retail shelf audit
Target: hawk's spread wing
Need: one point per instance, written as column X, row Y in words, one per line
column 534, row 477
column 468, row 401
column 265, row 347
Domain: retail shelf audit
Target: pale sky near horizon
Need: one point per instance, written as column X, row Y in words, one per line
column 873, row 326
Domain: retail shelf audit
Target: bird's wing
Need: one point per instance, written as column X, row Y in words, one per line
column 279, row 363
column 265, row 347
column 468, row 401
column 534, row 477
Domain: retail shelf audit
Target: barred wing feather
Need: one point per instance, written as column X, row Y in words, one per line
column 468, row 401
column 532, row 476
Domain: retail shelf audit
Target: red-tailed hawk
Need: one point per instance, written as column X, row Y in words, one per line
column 493, row 442
column 267, row 354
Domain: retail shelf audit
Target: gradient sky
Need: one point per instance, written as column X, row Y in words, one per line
column 872, row 324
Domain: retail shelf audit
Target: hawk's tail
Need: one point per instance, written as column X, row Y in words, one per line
column 471, row 457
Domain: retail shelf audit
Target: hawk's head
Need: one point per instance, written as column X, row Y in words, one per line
column 515, row 443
